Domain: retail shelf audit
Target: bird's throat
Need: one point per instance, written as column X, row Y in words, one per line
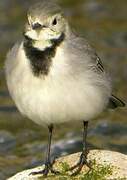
column 42, row 45
column 41, row 59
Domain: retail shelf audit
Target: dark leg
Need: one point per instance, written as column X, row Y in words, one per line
column 48, row 163
column 83, row 156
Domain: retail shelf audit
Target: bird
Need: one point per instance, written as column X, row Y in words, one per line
column 55, row 76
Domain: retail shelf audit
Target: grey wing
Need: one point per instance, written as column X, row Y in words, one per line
column 91, row 51
column 84, row 47
column 99, row 64
column 115, row 102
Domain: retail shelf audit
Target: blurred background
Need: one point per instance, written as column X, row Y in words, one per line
column 22, row 143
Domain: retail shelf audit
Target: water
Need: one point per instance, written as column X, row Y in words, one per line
column 22, row 143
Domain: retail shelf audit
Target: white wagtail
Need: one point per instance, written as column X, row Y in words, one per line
column 55, row 76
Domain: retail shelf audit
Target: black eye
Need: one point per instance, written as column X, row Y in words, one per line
column 54, row 22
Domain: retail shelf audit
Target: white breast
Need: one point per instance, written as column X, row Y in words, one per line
column 57, row 98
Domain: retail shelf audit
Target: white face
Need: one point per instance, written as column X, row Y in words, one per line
column 42, row 33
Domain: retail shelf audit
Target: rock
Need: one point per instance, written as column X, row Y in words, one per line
column 107, row 164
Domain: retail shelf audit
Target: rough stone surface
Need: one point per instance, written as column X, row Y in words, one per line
column 117, row 160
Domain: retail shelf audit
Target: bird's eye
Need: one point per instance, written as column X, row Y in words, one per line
column 54, row 22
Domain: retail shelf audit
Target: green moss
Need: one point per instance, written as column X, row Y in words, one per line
column 98, row 172
column 65, row 167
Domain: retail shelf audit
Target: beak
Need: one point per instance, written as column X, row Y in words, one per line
column 33, row 32
column 37, row 26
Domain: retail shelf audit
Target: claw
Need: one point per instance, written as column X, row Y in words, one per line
column 46, row 170
column 54, row 171
column 80, row 164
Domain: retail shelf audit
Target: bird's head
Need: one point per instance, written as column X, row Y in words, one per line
column 45, row 24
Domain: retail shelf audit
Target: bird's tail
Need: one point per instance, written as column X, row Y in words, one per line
column 115, row 102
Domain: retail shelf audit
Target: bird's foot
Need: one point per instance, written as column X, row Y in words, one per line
column 48, row 168
column 82, row 161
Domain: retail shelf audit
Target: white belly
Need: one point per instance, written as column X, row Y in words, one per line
column 57, row 104
column 54, row 99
